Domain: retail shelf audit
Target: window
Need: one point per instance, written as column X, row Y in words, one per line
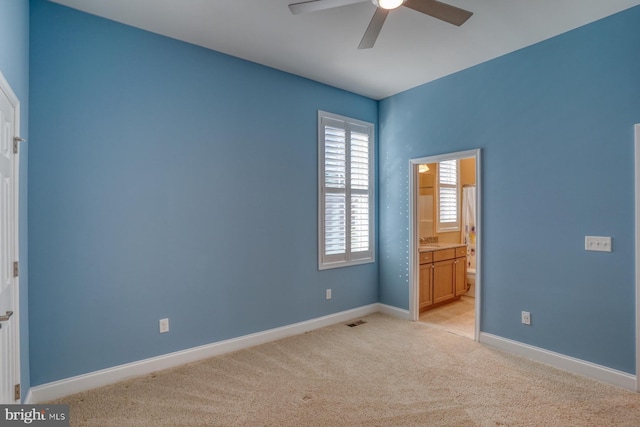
column 345, row 180
column 448, row 196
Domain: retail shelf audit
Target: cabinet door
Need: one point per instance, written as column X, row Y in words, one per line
column 461, row 275
column 443, row 280
column 426, row 291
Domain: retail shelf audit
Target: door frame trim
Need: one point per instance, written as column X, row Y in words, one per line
column 15, row 102
column 637, row 247
column 414, row 263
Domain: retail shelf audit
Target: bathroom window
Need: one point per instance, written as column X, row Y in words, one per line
column 448, row 216
column 345, row 181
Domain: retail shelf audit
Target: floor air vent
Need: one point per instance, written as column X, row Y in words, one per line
column 356, row 323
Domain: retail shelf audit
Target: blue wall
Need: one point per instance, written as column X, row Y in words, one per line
column 168, row 180
column 14, row 65
column 555, row 124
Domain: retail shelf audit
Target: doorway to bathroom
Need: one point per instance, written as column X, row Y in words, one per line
column 444, row 242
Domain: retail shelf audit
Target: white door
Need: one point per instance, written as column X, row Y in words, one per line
column 9, row 330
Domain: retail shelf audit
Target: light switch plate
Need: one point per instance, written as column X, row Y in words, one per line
column 597, row 243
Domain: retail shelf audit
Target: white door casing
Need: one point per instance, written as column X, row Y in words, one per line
column 637, row 245
column 414, row 263
column 9, row 331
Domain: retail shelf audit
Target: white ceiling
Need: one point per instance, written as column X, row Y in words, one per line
column 412, row 48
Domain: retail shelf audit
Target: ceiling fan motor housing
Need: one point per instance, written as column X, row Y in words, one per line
column 388, row 4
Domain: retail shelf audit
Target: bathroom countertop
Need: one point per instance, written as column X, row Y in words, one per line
column 438, row 246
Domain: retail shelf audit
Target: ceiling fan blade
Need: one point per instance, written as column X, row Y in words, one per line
column 315, row 5
column 444, row 12
column 371, row 35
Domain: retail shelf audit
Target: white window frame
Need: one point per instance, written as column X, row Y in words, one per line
column 348, row 257
column 444, row 227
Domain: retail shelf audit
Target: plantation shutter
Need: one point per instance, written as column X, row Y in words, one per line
column 359, row 190
column 335, row 202
column 346, row 193
column 448, row 196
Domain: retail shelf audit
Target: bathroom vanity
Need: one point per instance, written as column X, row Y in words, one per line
column 443, row 273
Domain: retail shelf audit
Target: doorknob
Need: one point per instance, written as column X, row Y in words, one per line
column 6, row 317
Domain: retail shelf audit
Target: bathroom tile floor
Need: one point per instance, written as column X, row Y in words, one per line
column 457, row 317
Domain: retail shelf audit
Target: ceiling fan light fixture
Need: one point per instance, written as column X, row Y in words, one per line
column 388, row 4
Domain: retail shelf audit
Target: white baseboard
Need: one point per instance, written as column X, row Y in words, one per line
column 394, row 311
column 77, row 384
column 561, row 361
column 28, row 398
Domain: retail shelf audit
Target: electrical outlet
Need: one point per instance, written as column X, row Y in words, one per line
column 328, row 293
column 164, row 325
column 526, row 317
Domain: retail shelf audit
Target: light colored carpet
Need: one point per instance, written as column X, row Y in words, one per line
column 386, row 372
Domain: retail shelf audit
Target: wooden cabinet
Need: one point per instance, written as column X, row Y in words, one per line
column 426, row 274
column 444, row 273
column 442, row 276
column 426, row 291
column 461, row 276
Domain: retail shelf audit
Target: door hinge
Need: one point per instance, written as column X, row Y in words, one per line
column 16, row 392
column 16, row 269
column 16, row 140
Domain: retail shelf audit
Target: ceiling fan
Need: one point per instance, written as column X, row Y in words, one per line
column 439, row 10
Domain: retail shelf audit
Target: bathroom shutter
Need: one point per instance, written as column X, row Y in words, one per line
column 448, row 196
